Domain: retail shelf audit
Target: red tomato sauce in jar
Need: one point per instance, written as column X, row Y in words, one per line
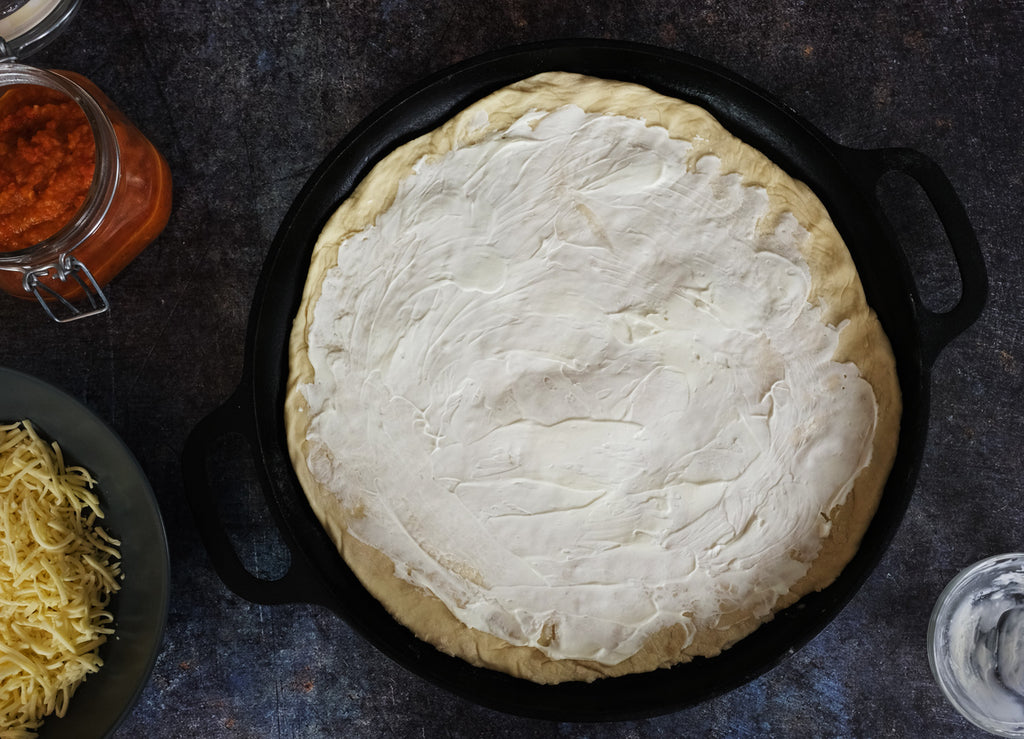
column 48, row 155
column 127, row 198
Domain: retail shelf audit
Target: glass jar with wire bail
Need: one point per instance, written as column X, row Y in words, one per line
column 82, row 191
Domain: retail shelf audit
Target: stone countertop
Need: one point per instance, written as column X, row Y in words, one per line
column 245, row 99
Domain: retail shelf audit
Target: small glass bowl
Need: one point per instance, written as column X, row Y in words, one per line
column 976, row 644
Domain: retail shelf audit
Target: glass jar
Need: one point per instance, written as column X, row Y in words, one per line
column 28, row 25
column 126, row 205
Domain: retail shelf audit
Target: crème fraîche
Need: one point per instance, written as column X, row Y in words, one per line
column 582, row 385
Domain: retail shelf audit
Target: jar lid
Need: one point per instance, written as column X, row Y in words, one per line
column 26, row 26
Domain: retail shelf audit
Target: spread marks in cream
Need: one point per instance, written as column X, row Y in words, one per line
column 571, row 383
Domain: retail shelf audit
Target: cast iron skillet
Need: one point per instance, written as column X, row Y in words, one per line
column 845, row 180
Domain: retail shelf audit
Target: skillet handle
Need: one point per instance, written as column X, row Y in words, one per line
column 299, row 584
column 937, row 328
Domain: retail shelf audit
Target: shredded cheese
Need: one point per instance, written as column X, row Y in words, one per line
column 58, row 571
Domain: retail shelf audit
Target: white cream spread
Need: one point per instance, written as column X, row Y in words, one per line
column 571, row 383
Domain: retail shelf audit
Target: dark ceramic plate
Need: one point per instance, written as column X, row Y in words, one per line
column 132, row 515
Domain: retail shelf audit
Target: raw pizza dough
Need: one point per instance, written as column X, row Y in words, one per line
column 362, row 470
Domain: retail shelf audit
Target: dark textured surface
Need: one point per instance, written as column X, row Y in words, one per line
column 245, row 99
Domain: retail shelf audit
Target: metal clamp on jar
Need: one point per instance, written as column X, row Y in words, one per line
column 82, row 191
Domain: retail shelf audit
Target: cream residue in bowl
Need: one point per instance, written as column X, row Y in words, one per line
column 976, row 644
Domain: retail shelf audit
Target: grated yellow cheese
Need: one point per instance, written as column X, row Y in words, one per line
column 58, row 570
